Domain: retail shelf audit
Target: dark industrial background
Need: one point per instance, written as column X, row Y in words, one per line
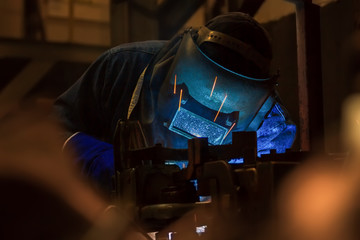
column 46, row 45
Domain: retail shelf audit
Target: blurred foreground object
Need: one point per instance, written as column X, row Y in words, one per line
column 204, row 191
column 320, row 200
column 351, row 105
column 351, row 124
column 42, row 193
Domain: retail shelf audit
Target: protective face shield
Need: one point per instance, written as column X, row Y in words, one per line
column 201, row 98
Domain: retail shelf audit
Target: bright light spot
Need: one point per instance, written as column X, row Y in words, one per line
column 201, row 230
column 170, row 234
column 236, row 161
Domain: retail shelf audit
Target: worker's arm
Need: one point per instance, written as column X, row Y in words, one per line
column 95, row 158
column 93, row 105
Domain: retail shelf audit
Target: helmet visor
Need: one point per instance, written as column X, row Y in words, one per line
column 210, row 93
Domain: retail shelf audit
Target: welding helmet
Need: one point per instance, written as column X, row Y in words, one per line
column 202, row 98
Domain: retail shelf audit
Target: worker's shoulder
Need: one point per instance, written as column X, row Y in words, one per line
column 146, row 47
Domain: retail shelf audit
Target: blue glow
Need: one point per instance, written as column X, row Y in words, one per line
column 191, row 125
column 180, row 164
column 195, row 183
column 205, row 198
column 275, row 132
column 236, row 161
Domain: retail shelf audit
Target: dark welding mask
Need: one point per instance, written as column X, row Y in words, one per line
column 201, row 98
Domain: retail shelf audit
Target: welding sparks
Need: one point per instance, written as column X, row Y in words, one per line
column 180, row 99
column 217, row 114
column 232, row 126
column 175, row 85
column 212, row 90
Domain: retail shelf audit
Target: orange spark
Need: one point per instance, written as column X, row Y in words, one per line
column 220, row 108
column 175, row 85
column 212, row 90
column 229, row 130
column 180, row 99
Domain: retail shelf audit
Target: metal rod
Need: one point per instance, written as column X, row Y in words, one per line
column 310, row 89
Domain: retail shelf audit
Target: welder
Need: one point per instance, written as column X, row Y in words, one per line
column 204, row 82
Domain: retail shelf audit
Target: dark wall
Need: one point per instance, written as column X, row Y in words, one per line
column 337, row 25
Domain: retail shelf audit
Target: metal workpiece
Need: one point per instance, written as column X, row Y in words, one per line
column 160, row 192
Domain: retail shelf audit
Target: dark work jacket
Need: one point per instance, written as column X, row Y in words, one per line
column 94, row 104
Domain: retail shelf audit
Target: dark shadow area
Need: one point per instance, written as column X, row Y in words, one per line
column 29, row 211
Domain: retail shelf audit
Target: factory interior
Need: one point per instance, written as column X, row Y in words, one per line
column 309, row 192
